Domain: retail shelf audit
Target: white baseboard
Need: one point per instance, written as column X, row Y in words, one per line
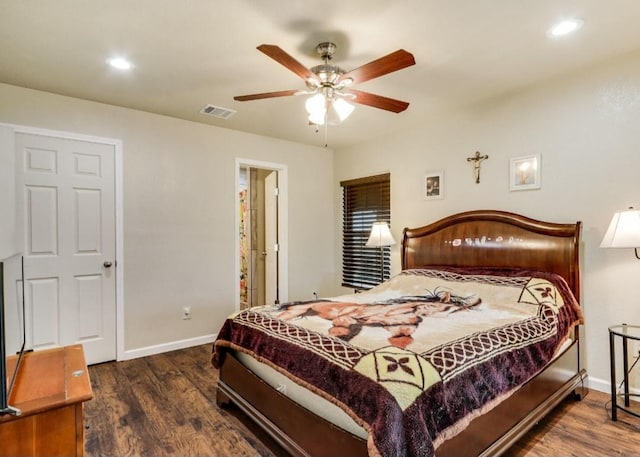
column 166, row 347
column 600, row 385
column 605, row 386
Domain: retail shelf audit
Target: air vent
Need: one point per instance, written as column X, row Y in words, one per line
column 217, row 111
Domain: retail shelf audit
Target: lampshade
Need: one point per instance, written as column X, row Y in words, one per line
column 343, row 108
column 315, row 103
column 317, row 108
column 380, row 235
column 623, row 231
column 317, row 117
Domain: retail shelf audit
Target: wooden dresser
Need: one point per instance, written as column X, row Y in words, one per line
column 50, row 390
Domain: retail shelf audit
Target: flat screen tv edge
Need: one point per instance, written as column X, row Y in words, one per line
column 12, row 326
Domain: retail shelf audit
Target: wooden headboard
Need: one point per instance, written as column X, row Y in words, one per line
column 488, row 238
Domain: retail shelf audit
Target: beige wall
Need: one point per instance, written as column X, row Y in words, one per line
column 586, row 129
column 8, row 231
column 179, row 210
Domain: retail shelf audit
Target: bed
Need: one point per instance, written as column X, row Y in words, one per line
column 481, row 413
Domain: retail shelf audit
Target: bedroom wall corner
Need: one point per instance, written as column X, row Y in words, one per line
column 584, row 126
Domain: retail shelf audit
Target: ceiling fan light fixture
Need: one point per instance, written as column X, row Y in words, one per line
column 317, row 118
column 316, row 103
column 316, row 106
column 342, row 108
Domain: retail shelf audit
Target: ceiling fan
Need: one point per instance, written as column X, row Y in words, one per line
column 330, row 86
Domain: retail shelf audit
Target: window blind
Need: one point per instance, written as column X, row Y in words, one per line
column 364, row 201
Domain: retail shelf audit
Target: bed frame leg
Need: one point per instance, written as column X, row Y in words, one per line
column 580, row 393
column 581, row 390
column 222, row 399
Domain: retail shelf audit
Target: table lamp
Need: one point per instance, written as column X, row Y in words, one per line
column 623, row 231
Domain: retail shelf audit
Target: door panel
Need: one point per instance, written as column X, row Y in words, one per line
column 68, row 204
column 45, row 304
column 89, row 229
column 89, row 293
column 42, row 220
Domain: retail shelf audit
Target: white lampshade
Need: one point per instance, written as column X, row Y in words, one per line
column 343, row 108
column 317, row 118
column 623, row 231
column 315, row 104
column 316, row 107
column 380, row 235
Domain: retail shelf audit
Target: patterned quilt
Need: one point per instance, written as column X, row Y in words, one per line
column 415, row 359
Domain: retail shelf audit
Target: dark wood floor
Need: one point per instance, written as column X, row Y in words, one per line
column 164, row 405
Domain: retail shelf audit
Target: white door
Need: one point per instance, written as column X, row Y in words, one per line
column 67, row 201
column 271, row 238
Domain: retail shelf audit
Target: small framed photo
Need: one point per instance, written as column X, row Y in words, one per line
column 433, row 185
column 524, row 173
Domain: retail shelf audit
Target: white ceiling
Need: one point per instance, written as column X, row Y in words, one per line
column 188, row 53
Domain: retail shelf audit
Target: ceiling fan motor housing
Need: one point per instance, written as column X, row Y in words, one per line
column 328, row 74
column 326, row 50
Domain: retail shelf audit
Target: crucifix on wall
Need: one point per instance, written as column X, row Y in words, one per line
column 476, row 164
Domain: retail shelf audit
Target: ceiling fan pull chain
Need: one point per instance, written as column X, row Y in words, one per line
column 326, row 128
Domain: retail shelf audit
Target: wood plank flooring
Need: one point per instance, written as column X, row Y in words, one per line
column 164, row 405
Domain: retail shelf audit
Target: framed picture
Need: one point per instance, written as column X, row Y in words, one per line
column 433, row 185
column 524, row 173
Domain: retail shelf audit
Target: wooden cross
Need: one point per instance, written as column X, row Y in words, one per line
column 476, row 164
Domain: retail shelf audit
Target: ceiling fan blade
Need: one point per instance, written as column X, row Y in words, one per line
column 285, row 59
column 377, row 101
column 281, row 93
column 384, row 65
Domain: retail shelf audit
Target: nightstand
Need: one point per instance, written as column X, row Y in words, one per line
column 626, row 333
column 50, row 390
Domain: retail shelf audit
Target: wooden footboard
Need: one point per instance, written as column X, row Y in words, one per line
column 495, row 432
column 303, row 433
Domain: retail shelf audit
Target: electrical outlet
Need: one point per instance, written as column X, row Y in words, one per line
column 186, row 313
column 315, row 294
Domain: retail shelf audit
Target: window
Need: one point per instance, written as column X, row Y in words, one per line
column 364, row 201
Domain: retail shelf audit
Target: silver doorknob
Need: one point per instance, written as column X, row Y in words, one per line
column 107, row 264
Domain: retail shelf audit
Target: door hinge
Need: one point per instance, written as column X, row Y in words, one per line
column 276, row 247
column 276, row 191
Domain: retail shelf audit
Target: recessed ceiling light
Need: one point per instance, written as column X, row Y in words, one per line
column 565, row 27
column 120, row 63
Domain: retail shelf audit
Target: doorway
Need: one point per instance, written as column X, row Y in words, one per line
column 261, row 234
